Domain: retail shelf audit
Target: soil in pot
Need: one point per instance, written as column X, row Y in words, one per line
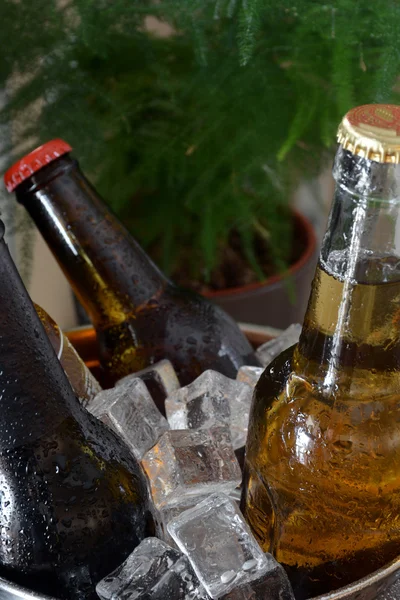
column 234, row 269
column 273, row 299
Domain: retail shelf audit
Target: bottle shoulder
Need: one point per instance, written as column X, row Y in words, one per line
column 178, row 316
column 295, row 420
column 274, row 378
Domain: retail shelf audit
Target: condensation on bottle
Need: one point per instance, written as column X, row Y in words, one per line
column 322, row 469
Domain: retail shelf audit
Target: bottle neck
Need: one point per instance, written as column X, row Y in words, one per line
column 110, row 273
column 352, row 322
column 35, row 394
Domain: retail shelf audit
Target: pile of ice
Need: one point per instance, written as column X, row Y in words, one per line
column 217, row 558
column 185, row 439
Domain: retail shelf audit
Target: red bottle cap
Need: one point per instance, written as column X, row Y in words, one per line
column 32, row 162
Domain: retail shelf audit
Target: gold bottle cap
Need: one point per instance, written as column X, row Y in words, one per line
column 372, row 131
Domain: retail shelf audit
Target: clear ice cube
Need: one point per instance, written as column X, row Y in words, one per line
column 160, row 379
column 130, row 411
column 236, row 495
column 154, row 571
column 181, row 583
column 274, row 585
column 270, row 350
column 249, row 375
column 219, row 544
column 188, row 463
column 163, row 516
column 211, row 399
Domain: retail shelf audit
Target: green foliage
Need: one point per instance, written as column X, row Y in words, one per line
column 192, row 135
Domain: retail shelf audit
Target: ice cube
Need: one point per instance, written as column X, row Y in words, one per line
column 188, row 463
column 160, row 379
column 249, row 375
column 181, row 583
column 199, row 405
column 153, row 571
column 211, row 399
column 236, row 495
column 149, row 561
column 163, row 516
column 270, row 350
column 219, row 544
column 274, row 585
column 130, row 411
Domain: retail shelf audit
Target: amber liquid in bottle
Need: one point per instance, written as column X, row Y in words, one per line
column 322, row 469
column 139, row 315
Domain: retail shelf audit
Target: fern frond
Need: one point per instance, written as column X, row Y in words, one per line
column 249, row 26
column 303, row 117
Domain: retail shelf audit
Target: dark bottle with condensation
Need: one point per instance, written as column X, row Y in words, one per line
column 322, row 467
column 140, row 317
column 73, row 501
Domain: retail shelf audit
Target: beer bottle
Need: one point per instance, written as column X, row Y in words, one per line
column 84, row 384
column 73, row 501
column 140, row 317
column 322, row 467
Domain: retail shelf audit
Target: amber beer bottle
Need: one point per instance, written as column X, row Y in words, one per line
column 322, row 468
column 139, row 315
column 84, row 384
column 73, row 502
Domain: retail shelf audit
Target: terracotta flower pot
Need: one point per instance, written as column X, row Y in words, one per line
column 269, row 302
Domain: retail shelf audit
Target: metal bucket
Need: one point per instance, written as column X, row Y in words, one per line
column 381, row 585
column 10, row 591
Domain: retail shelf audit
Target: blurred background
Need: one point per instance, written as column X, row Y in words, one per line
column 207, row 126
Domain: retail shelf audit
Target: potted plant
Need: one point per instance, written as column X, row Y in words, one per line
column 197, row 121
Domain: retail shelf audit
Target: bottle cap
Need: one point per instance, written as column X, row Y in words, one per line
column 32, row 162
column 372, row 131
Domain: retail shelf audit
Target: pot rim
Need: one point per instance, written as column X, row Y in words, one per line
column 309, row 251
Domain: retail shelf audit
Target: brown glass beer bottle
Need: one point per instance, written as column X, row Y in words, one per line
column 73, row 501
column 84, row 384
column 322, row 467
column 139, row 315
